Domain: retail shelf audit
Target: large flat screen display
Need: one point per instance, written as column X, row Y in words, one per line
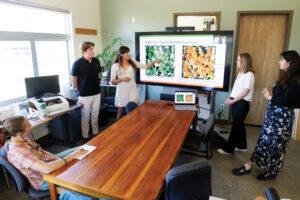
column 189, row 59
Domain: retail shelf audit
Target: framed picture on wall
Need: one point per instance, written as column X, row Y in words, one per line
column 202, row 21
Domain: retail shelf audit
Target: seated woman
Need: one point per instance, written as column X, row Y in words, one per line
column 28, row 157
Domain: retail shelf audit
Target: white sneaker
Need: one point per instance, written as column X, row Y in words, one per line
column 221, row 151
column 240, row 150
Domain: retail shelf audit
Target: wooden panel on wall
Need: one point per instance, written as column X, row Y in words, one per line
column 263, row 36
column 85, row 31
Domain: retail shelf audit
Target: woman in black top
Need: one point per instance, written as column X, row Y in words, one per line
column 271, row 147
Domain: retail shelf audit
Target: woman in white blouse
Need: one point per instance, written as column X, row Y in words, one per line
column 122, row 74
column 239, row 98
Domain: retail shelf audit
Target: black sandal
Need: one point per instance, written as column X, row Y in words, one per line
column 264, row 176
column 241, row 171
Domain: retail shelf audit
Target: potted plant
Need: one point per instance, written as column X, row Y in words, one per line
column 107, row 57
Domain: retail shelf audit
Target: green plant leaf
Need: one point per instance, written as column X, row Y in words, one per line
column 109, row 53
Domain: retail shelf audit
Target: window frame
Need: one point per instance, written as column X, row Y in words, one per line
column 216, row 14
column 37, row 37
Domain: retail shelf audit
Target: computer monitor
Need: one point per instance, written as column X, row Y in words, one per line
column 37, row 86
column 190, row 59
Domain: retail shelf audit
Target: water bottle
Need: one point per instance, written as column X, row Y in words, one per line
column 42, row 109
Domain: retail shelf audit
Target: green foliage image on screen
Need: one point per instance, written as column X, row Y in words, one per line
column 164, row 53
column 180, row 98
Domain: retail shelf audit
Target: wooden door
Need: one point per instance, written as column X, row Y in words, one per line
column 264, row 36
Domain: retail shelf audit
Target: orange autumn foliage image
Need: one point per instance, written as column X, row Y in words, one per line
column 199, row 62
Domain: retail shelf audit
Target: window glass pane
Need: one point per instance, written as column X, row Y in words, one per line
column 52, row 58
column 201, row 23
column 16, row 64
column 26, row 19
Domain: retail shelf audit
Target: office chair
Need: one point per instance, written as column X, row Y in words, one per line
column 189, row 181
column 20, row 181
column 131, row 106
column 169, row 97
column 2, row 142
column 272, row 194
column 192, row 143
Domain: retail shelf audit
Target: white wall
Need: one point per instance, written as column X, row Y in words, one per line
column 84, row 14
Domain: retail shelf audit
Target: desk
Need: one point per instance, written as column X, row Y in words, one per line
column 62, row 127
column 38, row 122
column 132, row 156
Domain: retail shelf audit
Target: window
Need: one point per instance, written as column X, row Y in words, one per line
column 34, row 41
column 52, row 59
column 28, row 19
column 16, row 64
column 202, row 21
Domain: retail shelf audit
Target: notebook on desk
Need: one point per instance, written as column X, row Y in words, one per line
column 89, row 149
column 185, row 100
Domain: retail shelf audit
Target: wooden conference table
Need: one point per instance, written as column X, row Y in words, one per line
column 132, row 156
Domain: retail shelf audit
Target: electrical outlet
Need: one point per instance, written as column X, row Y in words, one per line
column 222, row 106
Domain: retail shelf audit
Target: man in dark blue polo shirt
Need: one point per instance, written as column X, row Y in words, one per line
column 85, row 78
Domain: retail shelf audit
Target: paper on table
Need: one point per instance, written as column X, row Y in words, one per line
column 87, row 147
column 215, row 198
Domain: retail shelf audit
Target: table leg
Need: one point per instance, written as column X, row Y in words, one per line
column 195, row 123
column 52, row 190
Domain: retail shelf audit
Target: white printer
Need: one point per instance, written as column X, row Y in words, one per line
column 54, row 105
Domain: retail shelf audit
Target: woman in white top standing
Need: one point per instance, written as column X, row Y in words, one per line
column 122, row 74
column 239, row 98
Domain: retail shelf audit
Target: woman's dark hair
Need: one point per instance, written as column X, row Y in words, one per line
column 13, row 125
column 293, row 71
column 122, row 50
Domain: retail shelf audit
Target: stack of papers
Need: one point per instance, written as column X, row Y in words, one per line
column 87, row 147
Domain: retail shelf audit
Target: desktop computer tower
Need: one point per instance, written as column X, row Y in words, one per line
column 67, row 128
column 74, row 125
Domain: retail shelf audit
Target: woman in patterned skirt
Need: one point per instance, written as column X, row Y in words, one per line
column 271, row 147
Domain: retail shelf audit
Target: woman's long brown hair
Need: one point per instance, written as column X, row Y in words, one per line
column 122, row 50
column 246, row 63
column 13, row 125
column 293, row 71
